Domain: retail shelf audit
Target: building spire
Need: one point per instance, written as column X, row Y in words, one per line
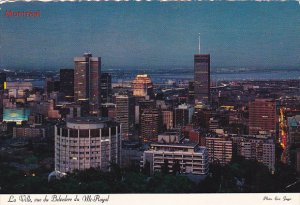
column 199, row 43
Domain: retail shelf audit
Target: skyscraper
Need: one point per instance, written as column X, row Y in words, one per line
column 51, row 86
column 142, row 86
column 167, row 118
column 87, row 80
column 143, row 105
column 108, row 110
column 262, row 116
column 150, row 122
column 125, row 114
column 67, row 83
column 202, row 78
column 106, row 90
column 191, row 96
column 183, row 115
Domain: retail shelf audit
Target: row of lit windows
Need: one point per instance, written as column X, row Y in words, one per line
column 86, row 133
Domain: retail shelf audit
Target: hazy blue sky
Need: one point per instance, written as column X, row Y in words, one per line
column 151, row 34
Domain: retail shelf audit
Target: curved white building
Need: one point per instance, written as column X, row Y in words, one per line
column 82, row 143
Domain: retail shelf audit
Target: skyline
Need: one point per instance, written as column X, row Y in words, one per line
column 237, row 34
column 175, row 122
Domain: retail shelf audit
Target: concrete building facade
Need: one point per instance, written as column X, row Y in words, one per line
column 83, row 143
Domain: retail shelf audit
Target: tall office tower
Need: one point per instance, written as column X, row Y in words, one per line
column 51, row 86
column 141, row 105
column 67, row 83
column 2, row 80
column 125, row 114
column 191, row 96
column 108, row 110
column 202, row 77
column 183, row 115
column 167, row 118
column 87, row 81
column 150, row 122
column 262, row 116
column 106, row 89
column 202, row 116
column 146, row 104
column 142, row 86
column 83, row 143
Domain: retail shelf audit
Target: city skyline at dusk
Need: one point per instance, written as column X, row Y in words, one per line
column 148, row 98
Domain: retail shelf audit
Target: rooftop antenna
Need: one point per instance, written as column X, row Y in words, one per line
column 199, row 43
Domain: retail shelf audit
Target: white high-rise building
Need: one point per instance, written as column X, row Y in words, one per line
column 83, row 143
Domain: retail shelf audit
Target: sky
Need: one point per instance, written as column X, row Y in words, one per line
column 151, row 34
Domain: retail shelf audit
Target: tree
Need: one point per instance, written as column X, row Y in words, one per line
column 176, row 167
column 116, row 171
column 165, row 167
column 146, row 169
column 161, row 183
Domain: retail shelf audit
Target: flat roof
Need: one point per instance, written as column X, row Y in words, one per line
column 194, row 146
column 185, row 145
column 87, row 120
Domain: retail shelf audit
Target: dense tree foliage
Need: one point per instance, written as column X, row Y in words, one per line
column 238, row 176
column 247, row 176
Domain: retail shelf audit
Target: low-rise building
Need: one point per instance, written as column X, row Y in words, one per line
column 131, row 154
column 33, row 131
column 256, row 147
column 192, row 158
column 219, row 149
column 168, row 137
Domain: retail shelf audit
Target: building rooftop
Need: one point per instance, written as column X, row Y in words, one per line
column 186, row 147
column 83, row 122
column 184, row 106
column 179, row 145
column 142, row 79
column 87, row 120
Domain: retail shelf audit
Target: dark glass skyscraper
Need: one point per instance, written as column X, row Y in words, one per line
column 67, row 83
column 202, row 78
column 51, row 86
column 191, row 96
column 106, row 90
column 87, row 80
